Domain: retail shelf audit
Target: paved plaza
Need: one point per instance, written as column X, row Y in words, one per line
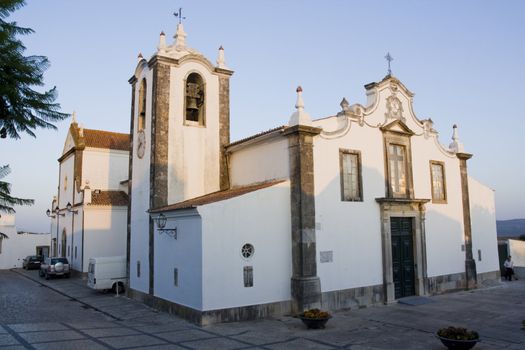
column 71, row 316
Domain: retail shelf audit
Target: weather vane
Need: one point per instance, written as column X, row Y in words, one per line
column 179, row 15
column 389, row 59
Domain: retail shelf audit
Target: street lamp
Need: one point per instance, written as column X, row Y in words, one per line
column 48, row 213
column 161, row 226
column 69, row 208
column 57, row 212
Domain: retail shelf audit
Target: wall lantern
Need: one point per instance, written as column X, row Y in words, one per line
column 48, row 213
column 161, row 226
column 57, row 211
column 69, row 208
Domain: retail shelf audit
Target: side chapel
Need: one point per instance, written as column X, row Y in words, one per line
column 364, row 206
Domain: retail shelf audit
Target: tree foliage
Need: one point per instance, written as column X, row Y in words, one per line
column 22, row 109
column 6, row 201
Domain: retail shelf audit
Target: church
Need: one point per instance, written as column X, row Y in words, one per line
column 365, row 206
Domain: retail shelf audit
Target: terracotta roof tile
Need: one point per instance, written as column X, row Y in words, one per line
column 216, row 196
column 106, row 139
column 113, row 198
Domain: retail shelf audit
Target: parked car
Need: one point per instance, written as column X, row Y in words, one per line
column 54, row 267
column 32, row 262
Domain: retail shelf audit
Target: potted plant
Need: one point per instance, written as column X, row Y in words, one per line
column 315, row 318
column 458, row 338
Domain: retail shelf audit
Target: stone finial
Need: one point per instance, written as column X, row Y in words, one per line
column 162, row 42
column 456, row 146
column 180, row 37
column 300, row 117
column 81, row 131
column 74, row 117
column 221, row 63
column 345, row 106
column 140, row 57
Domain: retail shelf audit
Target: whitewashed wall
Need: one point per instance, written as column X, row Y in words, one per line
column 516, row 249
column 104, row 168
column 105, row 230
column 76, row 242
column 270, row 158
column 18, row 246
column 483, row 221
column 65, row 190
column 140, row 194
column 351, row 230
column 184, row 254
column 261, row 218
column 194, row 151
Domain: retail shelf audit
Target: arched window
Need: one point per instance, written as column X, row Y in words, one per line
column 142, row 105
column 194, row 100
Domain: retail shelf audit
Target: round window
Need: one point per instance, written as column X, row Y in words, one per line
column 247, row 251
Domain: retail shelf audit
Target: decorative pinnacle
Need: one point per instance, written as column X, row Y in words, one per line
column 221, row 63
column 73, row 117
column 162, row 33
column 456, row 145
column 300, row 103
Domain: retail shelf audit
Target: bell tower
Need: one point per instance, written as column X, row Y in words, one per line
column 189, row 122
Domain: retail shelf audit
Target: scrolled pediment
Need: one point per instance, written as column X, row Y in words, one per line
column 397, row 126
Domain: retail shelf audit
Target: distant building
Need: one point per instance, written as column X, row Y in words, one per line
column 15, row 246
column 89, row 213
column 361, row 207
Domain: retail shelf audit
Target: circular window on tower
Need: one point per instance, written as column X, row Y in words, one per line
column 247, row 251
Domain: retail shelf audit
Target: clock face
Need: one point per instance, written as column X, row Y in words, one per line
column 141, row 144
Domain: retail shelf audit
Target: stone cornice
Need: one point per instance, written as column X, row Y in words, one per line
column 223, row 71
column 302, row 129
column 162, row 59
column 464, row 156
column 402, row 200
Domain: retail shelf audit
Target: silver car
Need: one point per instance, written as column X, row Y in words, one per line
column 54, row 267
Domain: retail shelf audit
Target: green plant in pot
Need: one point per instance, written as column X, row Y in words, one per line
column 458, row 338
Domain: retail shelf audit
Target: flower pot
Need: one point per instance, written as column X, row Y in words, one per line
column 315, row 323
column 458, row 344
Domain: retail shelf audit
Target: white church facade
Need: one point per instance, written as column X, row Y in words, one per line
column 362, row 207
column 89, row 213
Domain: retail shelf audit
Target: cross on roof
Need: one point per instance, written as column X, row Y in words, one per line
column 179, row 15
column 389, row 59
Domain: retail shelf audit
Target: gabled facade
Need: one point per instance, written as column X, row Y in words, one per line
column 362, row 207
column 93, row 185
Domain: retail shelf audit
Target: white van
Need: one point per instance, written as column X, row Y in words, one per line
column 107, row 273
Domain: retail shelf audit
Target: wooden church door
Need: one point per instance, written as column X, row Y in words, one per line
column 402, row 256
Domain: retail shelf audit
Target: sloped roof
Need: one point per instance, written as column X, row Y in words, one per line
column 106, row 139
column 216, row 197
column 109, row 198
column 279, row 128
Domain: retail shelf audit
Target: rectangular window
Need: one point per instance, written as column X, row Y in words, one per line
column 176, row 277
column 75, row 252
column 437, row 176
column 138, row 269
column 398, row 170
column 248, row 276
column 68, row 251
column 1, row 239
column 350, row 169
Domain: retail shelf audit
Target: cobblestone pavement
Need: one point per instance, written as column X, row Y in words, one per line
column 80, row 318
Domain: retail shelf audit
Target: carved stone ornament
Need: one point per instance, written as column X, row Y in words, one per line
column 394, row 108
column 141, row 143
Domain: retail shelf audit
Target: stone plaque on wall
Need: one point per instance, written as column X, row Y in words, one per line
column 327, row 256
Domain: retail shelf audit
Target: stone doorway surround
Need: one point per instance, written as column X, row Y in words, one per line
column 401, row 207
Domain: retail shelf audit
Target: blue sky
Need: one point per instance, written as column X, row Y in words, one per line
column 464, row 60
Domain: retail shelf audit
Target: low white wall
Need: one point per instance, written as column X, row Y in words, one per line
column 18, row 246
column 517, row 251
column 261, row 218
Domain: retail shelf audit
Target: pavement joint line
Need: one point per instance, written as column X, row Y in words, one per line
column 154, row 336
column 18, row 338
column 96, row 340
column 68, row 296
